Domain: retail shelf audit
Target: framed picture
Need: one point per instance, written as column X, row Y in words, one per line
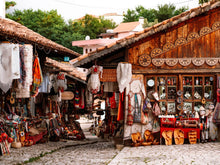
column 171, row 108
column 187, row 106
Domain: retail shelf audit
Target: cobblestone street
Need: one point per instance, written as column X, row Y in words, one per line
column 102, row 152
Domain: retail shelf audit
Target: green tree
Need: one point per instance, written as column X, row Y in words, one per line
column 92, row 26
column 203, row 1
column 149, row 14
column 130, row 16
column 162, row 13
column 49, row 24
column 9, row 4
column 165, row 11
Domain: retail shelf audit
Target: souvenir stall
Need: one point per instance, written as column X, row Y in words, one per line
column 175, row 69
column 20, row 80
column 180, row 79
column 23, row 97
column 105, row 102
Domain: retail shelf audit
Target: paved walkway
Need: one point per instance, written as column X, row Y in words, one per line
column 196, row 154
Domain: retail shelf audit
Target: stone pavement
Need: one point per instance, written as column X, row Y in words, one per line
column 101, row 152
column 196, row 154
column 19, row 156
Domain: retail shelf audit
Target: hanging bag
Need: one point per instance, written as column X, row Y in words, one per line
column 156, row 109
column 144, row 113
column 156, row 126
column 147, row 105
column 130, row 115
column 137, row 110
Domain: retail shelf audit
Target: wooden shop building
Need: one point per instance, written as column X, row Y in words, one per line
column 179, row 59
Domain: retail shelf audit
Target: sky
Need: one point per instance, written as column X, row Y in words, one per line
column 73, row 9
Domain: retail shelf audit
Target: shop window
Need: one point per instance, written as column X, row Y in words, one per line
column 166, row 87
column 193, row 89
column 196, row 89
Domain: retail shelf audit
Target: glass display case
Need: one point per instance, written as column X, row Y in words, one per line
column 196, row 88
column 166, row 87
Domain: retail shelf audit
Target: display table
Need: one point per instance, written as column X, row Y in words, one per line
column 170, row 125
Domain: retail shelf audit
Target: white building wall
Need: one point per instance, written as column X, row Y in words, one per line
column 116, row 18
column 2, row 8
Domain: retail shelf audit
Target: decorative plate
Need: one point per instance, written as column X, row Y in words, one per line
column 150, row 83
column 144, row 60
column 179, row 92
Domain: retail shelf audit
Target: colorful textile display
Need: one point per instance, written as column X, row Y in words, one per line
column 44, row 85
column 124, row 75
column 94, row 82
column 26, row 65
column 121, row 107
column 37, row 77
column 136, row 86
column 61, row 82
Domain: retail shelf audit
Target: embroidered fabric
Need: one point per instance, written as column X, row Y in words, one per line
column 23, row 90
column 137, row 86
column 94, row 82
column 124, row 75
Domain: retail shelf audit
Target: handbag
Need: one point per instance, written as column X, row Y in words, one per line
column 144, row 118
column 144, row 114
column 137, row 111
column 130, row 115
column 156, row 109
column 156, row 126
column 147, row 105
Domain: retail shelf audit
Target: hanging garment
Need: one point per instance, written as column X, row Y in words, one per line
column 213, row 129
column 61, row 82
column 25, row 81
column 130, row 112
column 94, row 82
column 121, row 107
column 44, row 85
column 7, row 70
column 137, row 110
column 37, row 77
column 77, row 99
column 82, row 102
column 124, row 75
column 112, row 101
column 16, row 62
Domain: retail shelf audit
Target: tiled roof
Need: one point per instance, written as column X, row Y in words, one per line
column 126, row 27
column 102, row 42
column 145, row 33
column 72, row 71
column 12, row 29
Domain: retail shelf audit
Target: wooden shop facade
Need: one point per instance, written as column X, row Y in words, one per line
column 178, row 62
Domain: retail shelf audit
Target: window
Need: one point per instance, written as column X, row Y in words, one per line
column 185, row 93
column 196, row 89
column 166, row 87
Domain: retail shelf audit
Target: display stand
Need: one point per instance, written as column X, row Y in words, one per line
column 170, row 124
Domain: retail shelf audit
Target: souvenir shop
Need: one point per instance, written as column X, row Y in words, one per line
column 167, row 78
column 38, row 102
